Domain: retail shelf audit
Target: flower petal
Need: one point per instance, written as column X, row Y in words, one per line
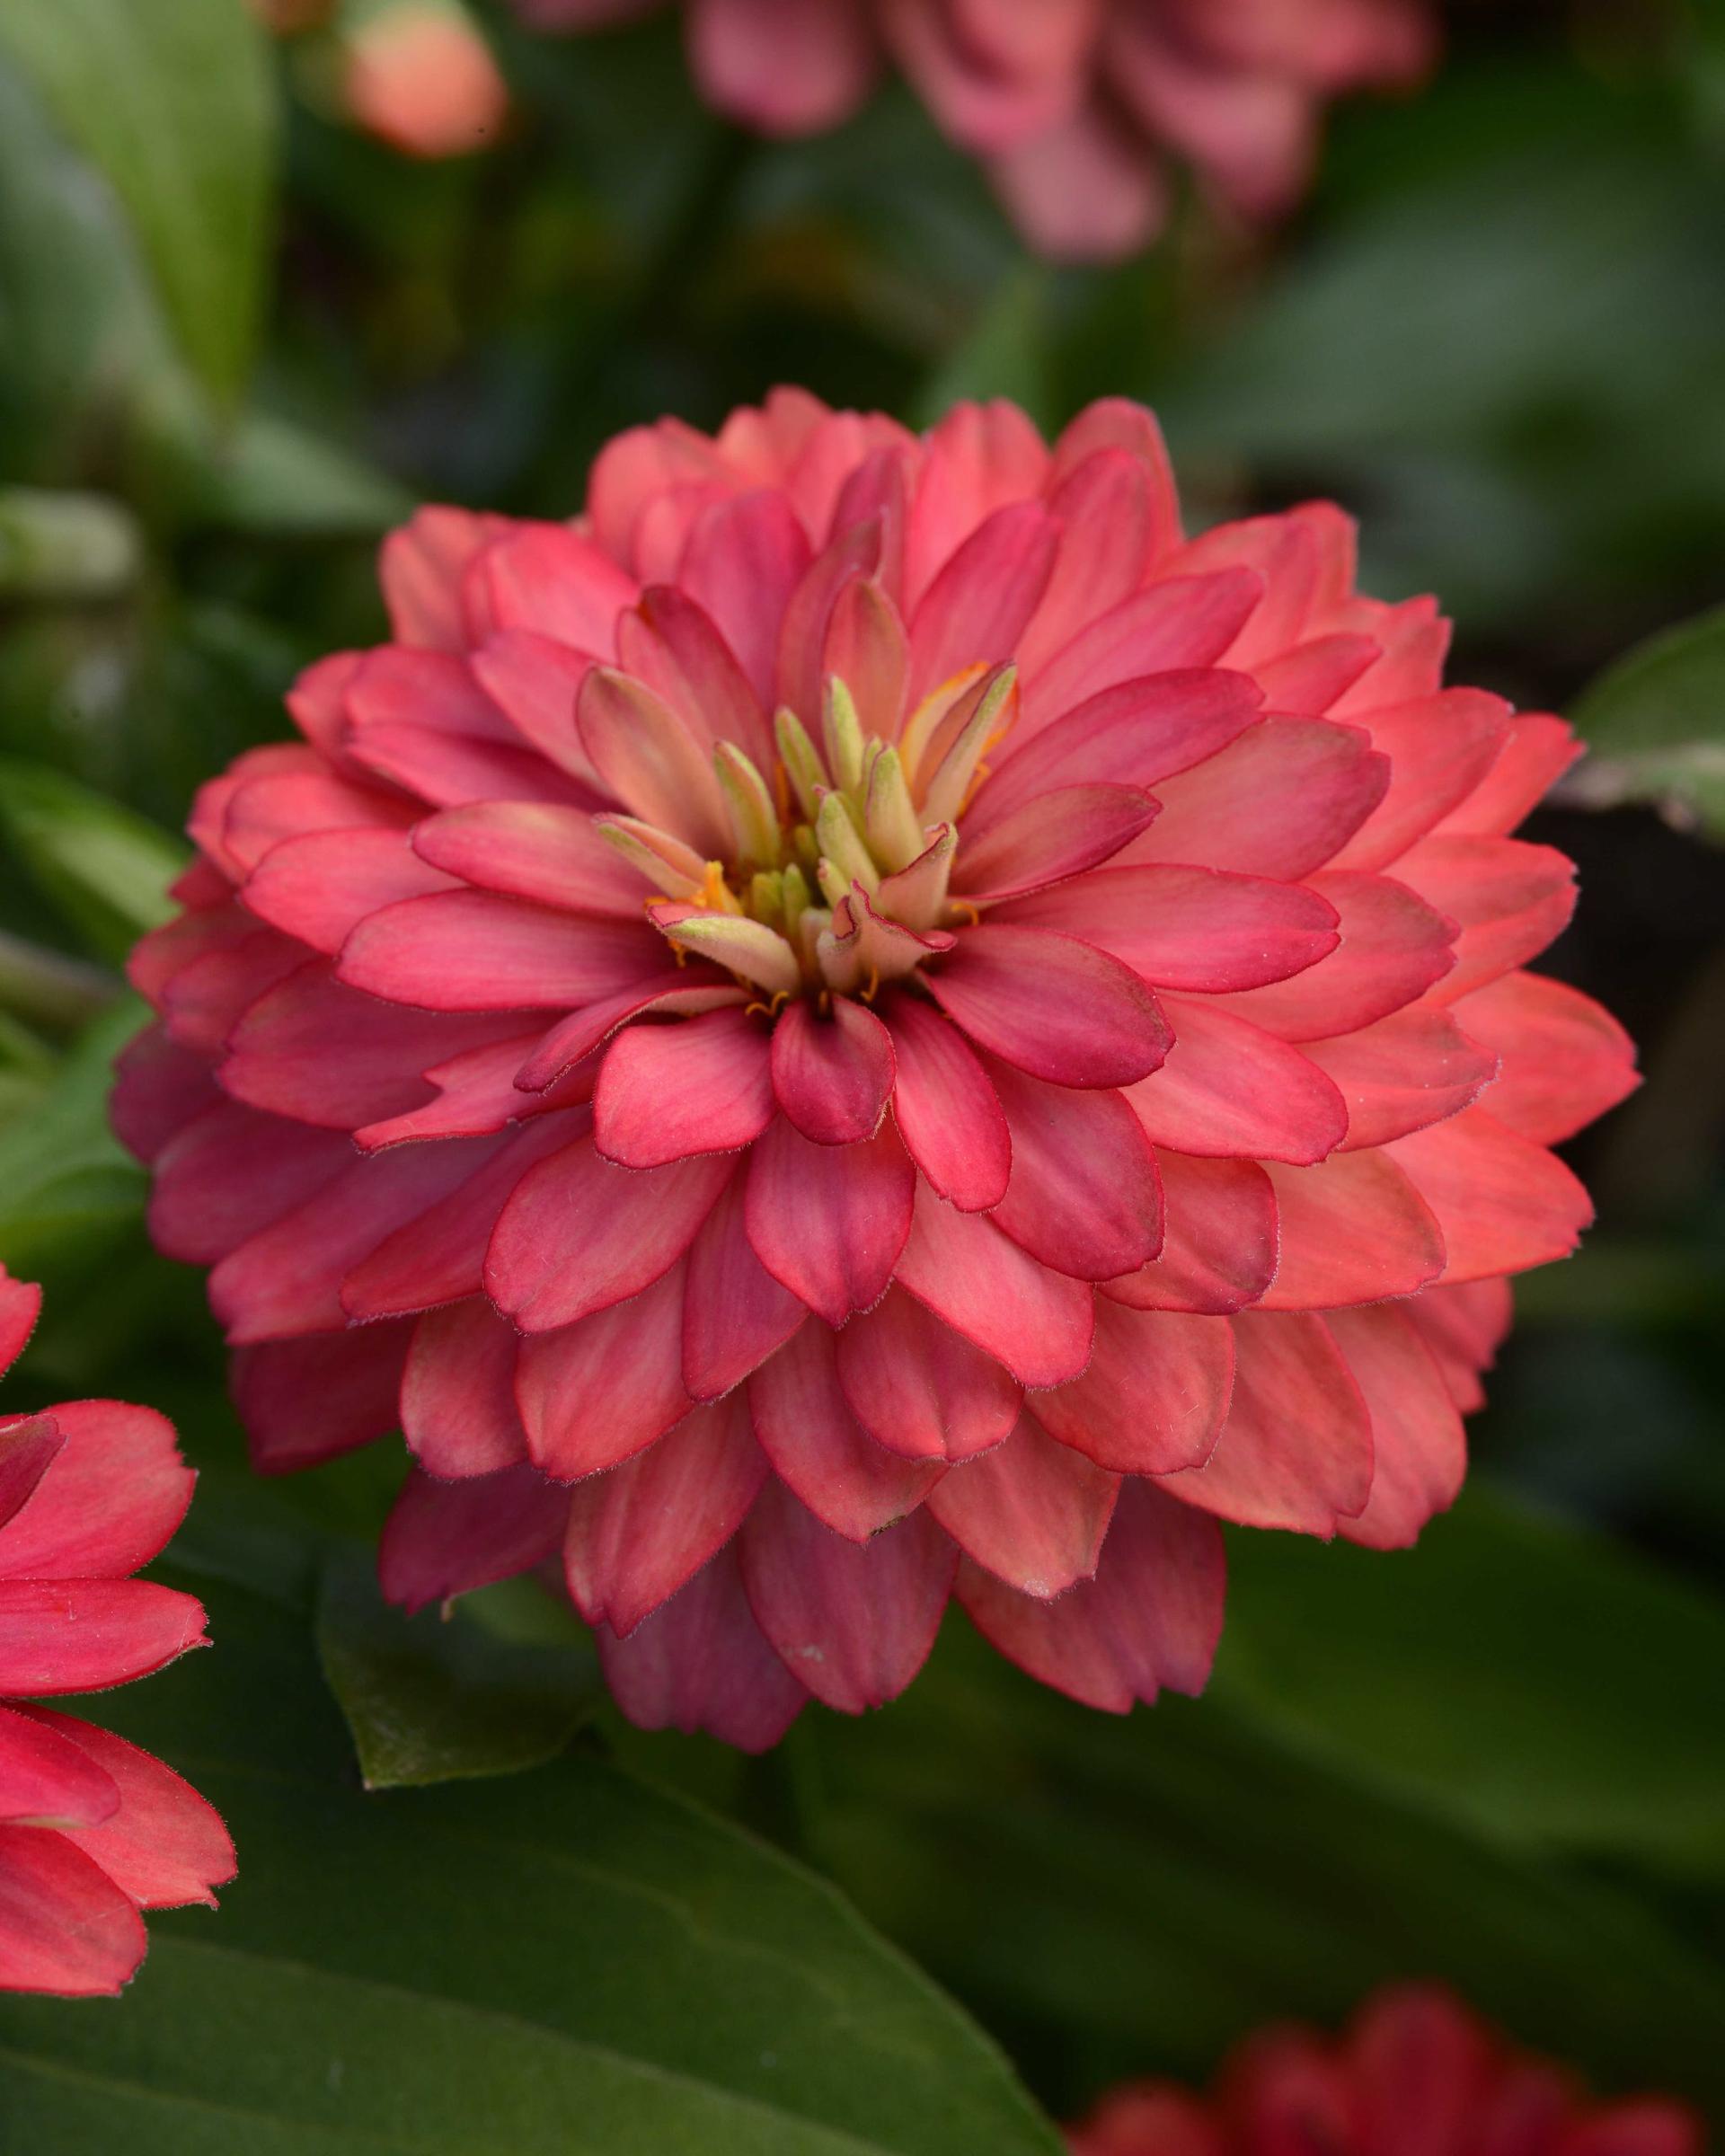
column 1085, row 1197
column 652, row 762
column 594, row 1393
column 306, row 1400
column 1032, row 1511
column 1415, row 1067
column 540, row 851
column 1563, row 1059
column 699, row 1662
column 1052, row 1006
column 1199, row 929
column 1354, row 1229
column 65, row 1927
column 164, row 1845
column 579, row 1234
column 1155, row 1396
column 920, row 1389
column 1150, row 1619
column 474, row 950
column 1036, row 1323
column 828, row 1222
column 1134, row 734
column 85, row 1635
column 822, row 1452
column 1179, row 622
column 979, row 605
column 1503, row 1203
column 948, row 1113
column 1510, row 898
column 321, row 886
column 1297, row 1449
column 45, row 1779
column 444, row 1539
column 735, row 1313
column 115, row 1492
column 1393, row 947
column 1280, row 800
column 457, row 1400
column 832, row 1077
column 698, row 1085
column 1229, row 1089
column 1219, row 1246
column 852, row 1621
column 1418, row 1449
column 640, row 1531
column 1058, row 835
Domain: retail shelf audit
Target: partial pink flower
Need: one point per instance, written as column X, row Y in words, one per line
column 418, row 76
column 92, row 1829
column 863, row 1022
column 1076, row 107
column 1417, row 2073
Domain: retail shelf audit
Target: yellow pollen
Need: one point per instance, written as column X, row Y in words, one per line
column 963, row 905
column 873, row 988
column 781, row 997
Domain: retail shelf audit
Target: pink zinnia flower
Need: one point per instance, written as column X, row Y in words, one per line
column 866, row 1021
column 1074, row 105
column 92, row 1829
column 1415, row 2074
column 420, row 78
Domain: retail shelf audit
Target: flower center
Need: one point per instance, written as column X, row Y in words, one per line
column 839, row 864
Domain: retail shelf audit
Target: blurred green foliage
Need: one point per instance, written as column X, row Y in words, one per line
column 237, row 340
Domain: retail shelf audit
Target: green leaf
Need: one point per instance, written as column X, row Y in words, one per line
column 1004, row 353
column 568, row 1962
column 434, row 1699
column 172, row 101
column 262, row 474
column 107, row 868
column 1155, row 1886
column 1656, row 724
column 65, row 1179
column 1513, row 1669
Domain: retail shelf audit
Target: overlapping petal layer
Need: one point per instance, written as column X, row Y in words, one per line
column 1416, row 2074
column 92, row 1829
column 829, row 1035
column 1076, row 106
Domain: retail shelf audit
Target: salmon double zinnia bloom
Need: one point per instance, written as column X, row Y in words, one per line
column 866, row 1021
column 1417, row 2074
column 92, row 1829
column 1073, row 105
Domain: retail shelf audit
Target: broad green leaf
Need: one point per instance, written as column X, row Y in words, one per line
column 1656, row 724
column 56, row 544
column 172, row 100
column 567, row 1962
column 431, row 1698
column 262, row 474
column 1155, row 1886
column 1004, row 353
column 65, row 1179
column 78, row 324
column 107, row 868
column 1513, row 1669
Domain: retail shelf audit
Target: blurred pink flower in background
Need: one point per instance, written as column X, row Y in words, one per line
column 418, row 76
column 865, row 1021
column 92, row 1829
column 1076, row 106
column 1417, row 2073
